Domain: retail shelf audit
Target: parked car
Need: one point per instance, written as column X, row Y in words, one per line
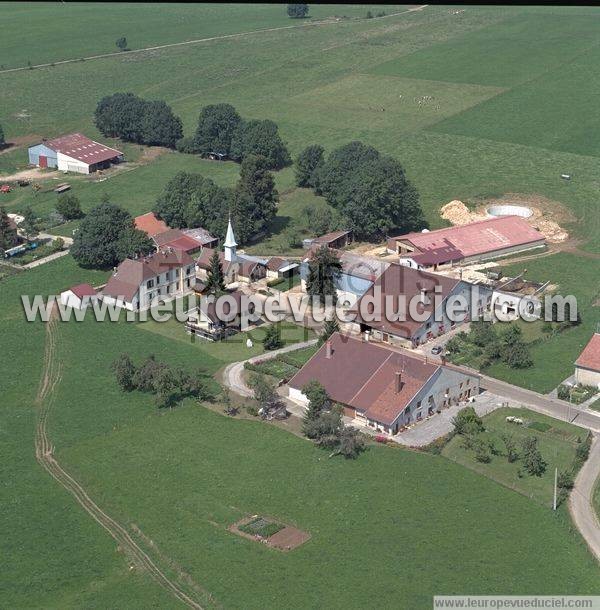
column 436, row 350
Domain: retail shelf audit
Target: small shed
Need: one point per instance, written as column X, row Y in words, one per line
column 78, row 297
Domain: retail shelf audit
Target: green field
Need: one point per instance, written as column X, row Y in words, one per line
column 557, row 442
column 359, row 79
column 512, row 92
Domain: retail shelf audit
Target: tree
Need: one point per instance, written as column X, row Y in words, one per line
column 124, row 370
column 324, row 269
column 517, row 356
column 126, row 116
column 318, row 400
column 120, row 115
column 370, row 191
column 69, row 207
column 172, row 204
column 264, row 389
column 122, row 43
column 2, row 140
column 351, row 443
column 307, row 165
column 258, row 183
column 160, row 127
column 483, row 452
column 29, row 222
column 466, row 421
column 325, row 428
column 215, row 281
column 511, row 447
column 297, row 11
column 482, row 333
column 272, row 339
column 8, row 232
column 260, row 138
column 532, row 458
column 331, row 326
column 133, row 242
column 216, row 126
column 106, row 236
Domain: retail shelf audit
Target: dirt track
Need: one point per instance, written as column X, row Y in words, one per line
column 51, row 376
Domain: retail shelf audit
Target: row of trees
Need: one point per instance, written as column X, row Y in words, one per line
column 133, row 119
column 106, row 236
column 369, row 190
column 222, row 130
column 484, row 341
column 191, row 200
column 169, row 385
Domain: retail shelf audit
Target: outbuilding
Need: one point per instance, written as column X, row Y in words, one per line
column 79, row 297
column 74, row 153
column 587, row 366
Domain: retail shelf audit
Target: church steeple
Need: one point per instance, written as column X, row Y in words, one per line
column 230, row 243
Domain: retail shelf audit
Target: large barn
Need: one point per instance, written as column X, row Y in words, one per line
column 480, row 240
column 74, row 153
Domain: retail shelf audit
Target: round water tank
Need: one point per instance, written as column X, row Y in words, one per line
column 510, row 210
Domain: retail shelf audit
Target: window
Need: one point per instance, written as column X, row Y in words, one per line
column 187, row 282
column 168, row 289
column 419, row 405
column 188, row 271
column 150, row 284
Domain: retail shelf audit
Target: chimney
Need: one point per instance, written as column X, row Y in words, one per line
column 328, row 351
column 398, row 385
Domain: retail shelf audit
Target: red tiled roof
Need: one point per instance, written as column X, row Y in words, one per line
column 80, row 147
column 590, row 356
column 400, row 280
column 83, row 290
column 174, row 238
column 150, row 224
column 477, row 237
column 203, row 261
column 363, row 375
column 438, row 256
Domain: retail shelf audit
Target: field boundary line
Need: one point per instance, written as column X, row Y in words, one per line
column 44, row 450
column 208, row 39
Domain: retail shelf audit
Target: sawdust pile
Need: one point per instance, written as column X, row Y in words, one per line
column 459, row 214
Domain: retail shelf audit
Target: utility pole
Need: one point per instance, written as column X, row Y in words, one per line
column 555, row 486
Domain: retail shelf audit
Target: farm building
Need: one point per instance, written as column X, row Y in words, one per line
column 280, row 267
column 358, row 274
column 398, row 285
column 204, row 321
column 177, row 240
column 137, row 283
column 79, row 297
column 74, row 153
column 381, row 387
column 335, row 239
column 202, row 236
column 587, row 366
column 489, row 238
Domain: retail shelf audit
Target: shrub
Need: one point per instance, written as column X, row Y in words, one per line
column 467, row 421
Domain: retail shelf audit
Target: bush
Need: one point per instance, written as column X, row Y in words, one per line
column 272, row 338
column 467, row 421
column 533, row 462
column 483, row 451
column 187, row 145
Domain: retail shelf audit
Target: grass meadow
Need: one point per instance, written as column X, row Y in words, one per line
column 183, row 476
column 510, row 111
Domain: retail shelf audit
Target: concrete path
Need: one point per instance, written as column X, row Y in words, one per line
column 46, row 259
column 233, row 375
column 581, row 500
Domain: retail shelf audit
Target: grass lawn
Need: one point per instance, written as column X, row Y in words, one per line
column 207, row 471
column 557, row 442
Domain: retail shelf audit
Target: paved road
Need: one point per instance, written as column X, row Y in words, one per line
column 559, row 409
column 581, row 505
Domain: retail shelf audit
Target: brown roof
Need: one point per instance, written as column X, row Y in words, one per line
column 131, row 273
column 357, row 265
column 210, row 308
column 590, row 356
column 275, row 263
column 400, row 280
column 150, row 224
column 477, row 237
column 203, row 261
column 330, row 237
column 83, row 290
column 174, row 238
column 363, row 375
column 80, row 147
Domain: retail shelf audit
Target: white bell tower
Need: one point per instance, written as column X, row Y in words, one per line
column 230, row 244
